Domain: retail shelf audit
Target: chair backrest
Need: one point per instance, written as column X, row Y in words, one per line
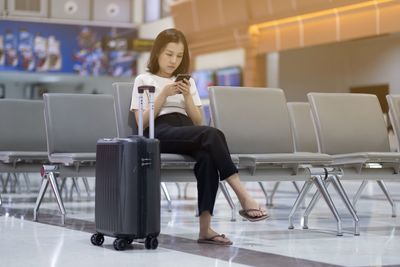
column 22, row 125
column 74, row 122
column 349, row 123
column 126, row 121
column 305, row 139
column 394, row 115
column 254, row 120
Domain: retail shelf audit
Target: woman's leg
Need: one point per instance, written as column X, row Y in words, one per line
column 207, row 233
column 246, row 201
column 207, row 181
column 207, row 186
column 175, row 139
column 212, row 140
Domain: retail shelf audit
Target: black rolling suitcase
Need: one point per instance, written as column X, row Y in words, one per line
column 127, row 202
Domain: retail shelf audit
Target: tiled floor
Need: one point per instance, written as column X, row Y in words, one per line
column 267, row 243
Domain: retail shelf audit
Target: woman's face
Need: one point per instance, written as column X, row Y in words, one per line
column 170, row 58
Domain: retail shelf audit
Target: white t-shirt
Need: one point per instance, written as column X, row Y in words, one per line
column 174, row 103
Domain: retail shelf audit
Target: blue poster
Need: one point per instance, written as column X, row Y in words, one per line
column 59, row 48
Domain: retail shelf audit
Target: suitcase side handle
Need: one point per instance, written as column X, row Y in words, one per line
column 151, row 90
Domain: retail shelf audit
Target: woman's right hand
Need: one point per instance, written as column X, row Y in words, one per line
column 170, row 89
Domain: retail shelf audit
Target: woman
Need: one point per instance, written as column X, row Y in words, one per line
column 177, row 126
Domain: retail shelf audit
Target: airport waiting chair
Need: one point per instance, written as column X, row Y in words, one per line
column 174, row 167
column 306, row 140
column 392, row 117
column 351, row 128
column 256, row 124
column 304, row 136
column 74, row 123
column 22, row 138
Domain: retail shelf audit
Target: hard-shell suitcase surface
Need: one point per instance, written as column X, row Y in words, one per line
column 127, row 201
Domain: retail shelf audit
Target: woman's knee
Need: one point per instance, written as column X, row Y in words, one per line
column 212, row 132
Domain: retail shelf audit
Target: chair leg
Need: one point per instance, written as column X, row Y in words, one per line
column 179, row 190
column 297, row 187
column 274, row 189
column 321, row 187
column 2, row 181
column 306, row 186
column 265, row 193
column 54, row 186
column 310, row 207
column 228, row 197
column 359, row 192
column 382, row 185
column 5, row 184
column 42, row 192
column 87, row 187
column 15, row 186
column 185, row 190
column 339, row 188
column 18, row 186
column 27, row 182
column 63, row 187
column 167, row 195
column 77, row 188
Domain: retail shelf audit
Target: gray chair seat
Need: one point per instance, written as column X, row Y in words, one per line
column 72, row 158
column 366, row 157
column 11, row 156
column 285, row 158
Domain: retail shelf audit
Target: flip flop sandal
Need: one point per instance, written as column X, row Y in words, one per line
column 245, row 214
column 212, row 240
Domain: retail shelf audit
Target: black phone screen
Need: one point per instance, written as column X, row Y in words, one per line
column 180, row 77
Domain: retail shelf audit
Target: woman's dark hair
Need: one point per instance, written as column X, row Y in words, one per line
column 163, row 38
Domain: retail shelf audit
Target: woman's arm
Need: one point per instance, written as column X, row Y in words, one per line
column 193, row 111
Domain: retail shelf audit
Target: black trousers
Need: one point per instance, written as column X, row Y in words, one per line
column 207, row 145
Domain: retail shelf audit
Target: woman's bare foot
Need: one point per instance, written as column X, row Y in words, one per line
column 252, row 208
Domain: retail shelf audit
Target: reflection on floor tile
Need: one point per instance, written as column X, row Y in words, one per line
column 266, row 243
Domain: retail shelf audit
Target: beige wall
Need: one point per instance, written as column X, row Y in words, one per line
column 337, row 67
column 221, row 59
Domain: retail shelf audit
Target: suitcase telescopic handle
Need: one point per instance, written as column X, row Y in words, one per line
column 151, row 90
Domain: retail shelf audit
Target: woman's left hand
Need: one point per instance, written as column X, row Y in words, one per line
column 184, row 87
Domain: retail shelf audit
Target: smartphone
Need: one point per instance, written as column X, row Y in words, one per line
column 180, row 77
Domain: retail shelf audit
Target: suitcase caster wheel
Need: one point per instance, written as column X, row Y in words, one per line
column 151, row 242
column 119, row 244
column 97, row 239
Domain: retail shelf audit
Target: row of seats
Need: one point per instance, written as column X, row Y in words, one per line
column 349, row 128
column 270, row 140
column 65, row 138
